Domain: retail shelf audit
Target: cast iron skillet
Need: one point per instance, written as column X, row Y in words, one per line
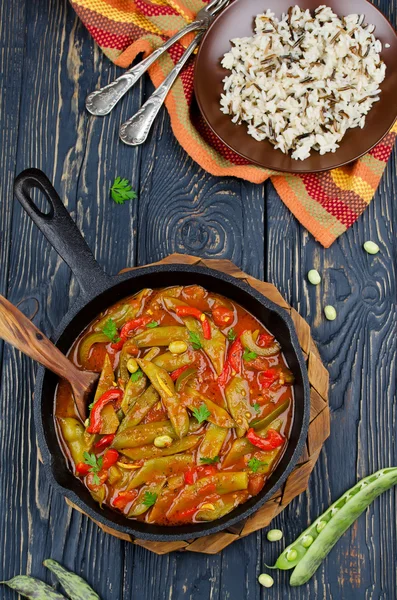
column 97, row 292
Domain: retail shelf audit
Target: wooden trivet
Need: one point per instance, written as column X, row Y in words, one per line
column 319, row 427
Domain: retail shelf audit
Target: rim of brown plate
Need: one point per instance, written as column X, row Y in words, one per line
column 237, row 20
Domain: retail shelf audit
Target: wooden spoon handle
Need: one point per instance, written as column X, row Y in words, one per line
column 17, row 330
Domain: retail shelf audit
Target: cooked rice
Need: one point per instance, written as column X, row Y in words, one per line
column 302, row 81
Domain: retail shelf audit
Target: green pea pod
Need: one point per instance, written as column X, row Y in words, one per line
column 241, row 447
column 73, row 434
column 164, row 385
column 170, row 362
column 146, row 433
column 312, row 546
column 155, row 467
column 248, row 342
column 87, row 343
column 150, row 451
column 161, row 336
column 133, row 390
column 237, row 396
column 74, row 585
column 219, row 416
column 260, row 424
column 212, row 442
column 139, row 409
column 33, row 588
column 184, row 378
column 128, row 350
column 106, row 379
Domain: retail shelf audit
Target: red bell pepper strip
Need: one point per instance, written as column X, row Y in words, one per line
column 232, row 363
column 273, row 439
column 266, row 378
column 186, row 514
column 264, row 340
column 82, row 469
column 124, row 498
column 110, row 457
column 113, row 395
column 206, row 471
column 190, row 476
column 175, row 374
column 105, row 441
column 190, row 311
column 222, row 316
column 128, row 328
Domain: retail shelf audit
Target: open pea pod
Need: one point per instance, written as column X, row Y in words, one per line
column 147, row 497
column 248, row 342
column 222, row 506
column 120, row 314
column 214, row 348
column 237, row 397
column 260, row 424
column 164, row 385
column 73, row 433
column 161, row 336
column 212, row 442
column 133, row 390
column 150, row 451
column 146, row 433
column 87, row 343
column 170, row 362
column 218, row 415
column 224, row 483
column 156, row 467
column 139, row 408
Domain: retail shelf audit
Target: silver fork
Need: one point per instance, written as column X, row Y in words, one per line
column 101, row 102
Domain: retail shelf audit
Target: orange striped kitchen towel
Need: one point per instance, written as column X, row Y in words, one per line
column 327, row 204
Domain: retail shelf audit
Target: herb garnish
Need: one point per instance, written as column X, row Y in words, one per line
column 121, row 191
column 152, row 324
column 110, row 330
column 149, row 498
column 249, row 355
column 256, row 407
column 209, row 461
column 137, row 375
column 231, row 335
column 255, row 464
column 194, row 339
column 95, row 464
column 202, row 413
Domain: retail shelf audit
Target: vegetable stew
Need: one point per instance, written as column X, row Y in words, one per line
column 192, row 410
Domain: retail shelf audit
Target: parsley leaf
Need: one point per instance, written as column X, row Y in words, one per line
column 90, row 406
column 110, row 330
column 255, row 464
column 95, row 464
column 152, row 324
column 210, row 461
column 231, row 335
column 121, row 191
column 256, row 407
column 137, row 375
column 194, row 339
column 202, row 413
column 149, row 498
column 248, row 355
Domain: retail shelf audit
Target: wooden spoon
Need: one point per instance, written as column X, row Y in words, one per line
column 17, row 330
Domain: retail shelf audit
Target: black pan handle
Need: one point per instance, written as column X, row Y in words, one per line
column 60, row 230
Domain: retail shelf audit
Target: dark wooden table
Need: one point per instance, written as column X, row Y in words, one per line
column 48, row 63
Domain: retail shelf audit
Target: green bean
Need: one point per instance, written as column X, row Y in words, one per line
column 166, row 465
column 164, row 385
column 313, row 545
column 87, row 343
column 133, row 390
column 212, row 442
column 221, row 507
column 73, row 584
column 33, row 588
column 125, row 312
column 99, row 494
column 140, row 505
column 106, row 379
column 237, row 396
column 139, row 409
column 73, row 434
column 150, row 451
column 170, row 362
column 248, row 342
column 142, row 434
column 109, row 420
column 184, row 378
column 128, row 351
column 260, row 424
column 161, row 336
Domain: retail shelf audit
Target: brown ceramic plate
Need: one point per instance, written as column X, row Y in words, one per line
column 238, row 21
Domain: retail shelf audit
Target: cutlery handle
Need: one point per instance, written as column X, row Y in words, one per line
column 101, row 102
column 17, row 330
column 135, row 131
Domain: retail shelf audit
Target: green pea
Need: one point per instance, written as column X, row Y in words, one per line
column 291, row 555
column 330, row 312
column 320, row 526
column 307, row 541
column 265, row 580
column 371, row 247
column 314, row 276
column 274, row 535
